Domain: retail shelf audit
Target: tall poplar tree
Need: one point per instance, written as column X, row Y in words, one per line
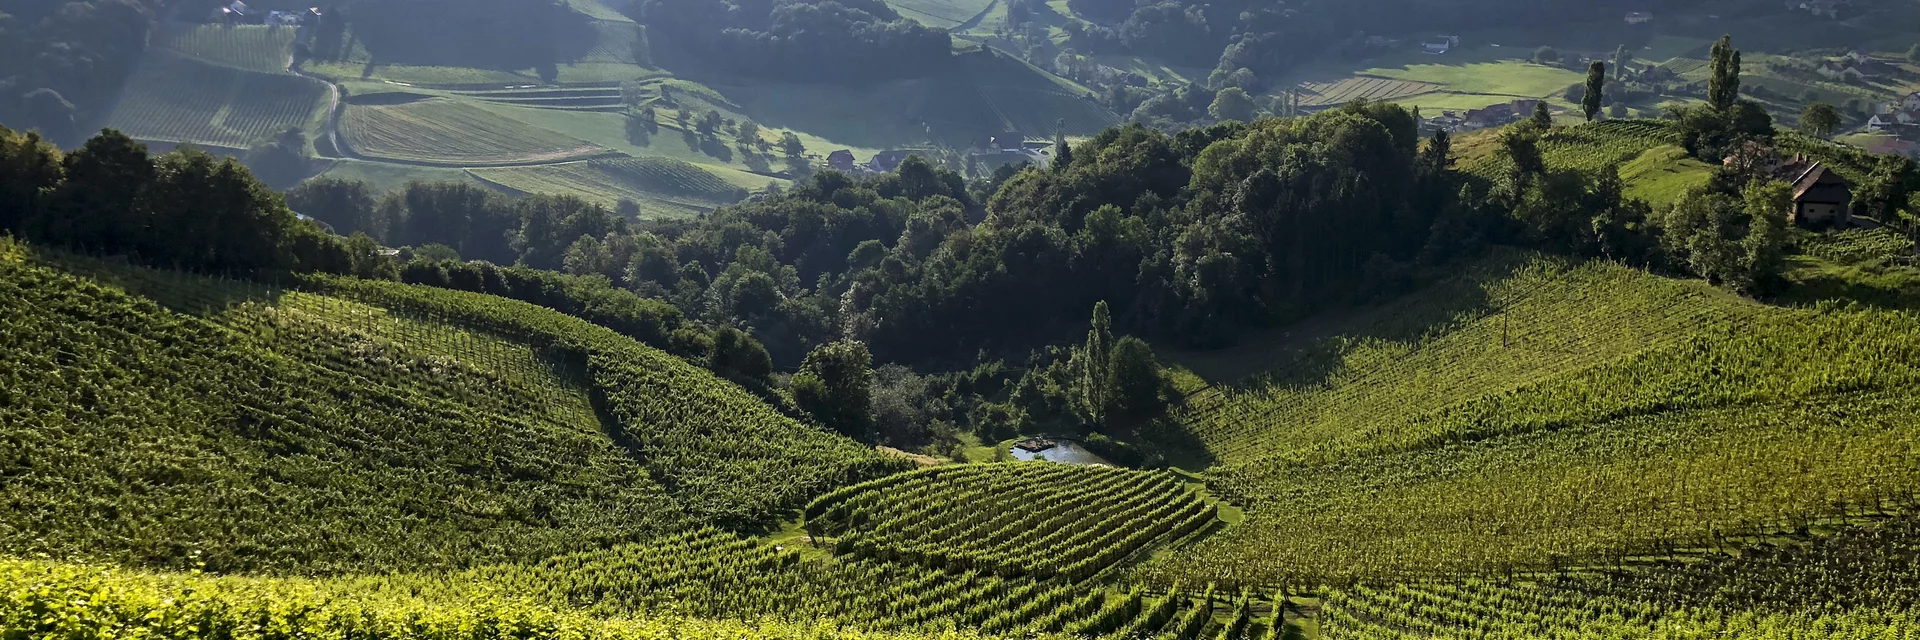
column 1723, row 88
column 1596, row 83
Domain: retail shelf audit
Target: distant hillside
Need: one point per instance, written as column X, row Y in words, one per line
column 169, row 420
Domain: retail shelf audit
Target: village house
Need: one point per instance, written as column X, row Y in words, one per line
column 1639, row 17
column 1440, row 44
column 887, row 161
column 1821, row 198
column 841, row 160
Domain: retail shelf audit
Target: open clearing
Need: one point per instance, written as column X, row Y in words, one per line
column 452, row 133
column 176, row 99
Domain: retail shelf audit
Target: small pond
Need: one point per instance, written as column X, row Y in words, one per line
column 1064, row 451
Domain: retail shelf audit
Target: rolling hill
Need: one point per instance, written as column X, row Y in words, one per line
column 1537, row 413
column 243, row 427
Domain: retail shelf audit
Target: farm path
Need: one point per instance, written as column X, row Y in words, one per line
column 331, row 130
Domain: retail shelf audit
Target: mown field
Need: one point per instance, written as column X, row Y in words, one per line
column 663, row 187
column 1350, row 89
column 447, row 132
column 173, row 98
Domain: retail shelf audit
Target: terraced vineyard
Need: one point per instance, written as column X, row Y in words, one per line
column 439, row 131
column 1033, row 519
column 1350, row 89
column 1557, row 413
column 176, row 99
column 663, row 187
column 248, row 47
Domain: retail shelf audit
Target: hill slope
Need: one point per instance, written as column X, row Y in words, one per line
column 1542, row 411
column 166, row 420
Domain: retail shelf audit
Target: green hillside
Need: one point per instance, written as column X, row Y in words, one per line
column 168, row 420
column 1538, row 411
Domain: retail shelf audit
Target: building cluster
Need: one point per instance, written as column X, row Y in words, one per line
column 987, row 150
column 1498, row 115
column 1901, row 122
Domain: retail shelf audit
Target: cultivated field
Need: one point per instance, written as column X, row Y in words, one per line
column 662, row 187
column 448, row 132
column 1350, row 89
column 1508, row 78
column 249, row 47
column 175, row 99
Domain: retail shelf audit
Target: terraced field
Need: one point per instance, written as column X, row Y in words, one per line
column 250, row 47
column 1029, row 519
column 173, row 98
column 446, row 132
column 1350, row 89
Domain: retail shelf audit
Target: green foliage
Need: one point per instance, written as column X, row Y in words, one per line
column 1723, row 87
column 1819, row 119
column 835, row 386
column 1596, row 84
column 1232, row 103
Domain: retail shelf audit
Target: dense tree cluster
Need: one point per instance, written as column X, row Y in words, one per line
column 824, row 40
column 62, row 63
column 185, row 209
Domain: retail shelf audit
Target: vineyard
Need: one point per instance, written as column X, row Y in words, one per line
column 1588, row 147
column 256, row 48
column 172, row 98
column 1034, row 519
column 1857, row 583
column 1554, row 412
column 1858, row 245
column 239, row 464
column 1349, row 89
column 449, row 132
